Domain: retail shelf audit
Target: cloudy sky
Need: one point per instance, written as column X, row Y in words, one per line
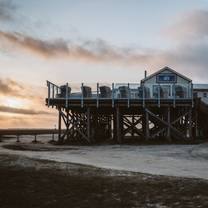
column 90, row 41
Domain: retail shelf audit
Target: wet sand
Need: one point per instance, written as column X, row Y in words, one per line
column 171, row 160
column 27, row 182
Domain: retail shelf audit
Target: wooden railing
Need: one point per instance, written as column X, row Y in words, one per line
column 134, row 91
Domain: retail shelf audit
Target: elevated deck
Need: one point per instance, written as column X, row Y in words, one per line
column 121, row 111
column 133, row 95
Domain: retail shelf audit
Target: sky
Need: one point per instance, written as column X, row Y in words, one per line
column 92, row 41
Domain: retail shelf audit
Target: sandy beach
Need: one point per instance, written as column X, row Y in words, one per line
column 30, row 178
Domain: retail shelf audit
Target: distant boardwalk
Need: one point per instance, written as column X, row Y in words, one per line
column 21, row 132
column 160, row 106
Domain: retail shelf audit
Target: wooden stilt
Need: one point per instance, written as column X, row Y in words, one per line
column 88, row 124
column 196, row 124
column 59, row 127
column 53, row 137
column 18, row 140
column 115, row 126
column 190, row 124
column 169, row 123
column 35, row 138
column 118, row 125
column 67, row 122
column 147, row 133
column 132, row 132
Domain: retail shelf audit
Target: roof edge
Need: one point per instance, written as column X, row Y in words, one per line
column 163, row 69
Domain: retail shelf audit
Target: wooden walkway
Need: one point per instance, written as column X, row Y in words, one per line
column 33, row 132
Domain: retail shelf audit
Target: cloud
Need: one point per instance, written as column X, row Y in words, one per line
column 190, row 25
column 187, row 57
column 7, row 9
column 7, row 109
column 91, row 51
column 13, row 88
column 10, row 87
column 189, row 35
column 188, row 54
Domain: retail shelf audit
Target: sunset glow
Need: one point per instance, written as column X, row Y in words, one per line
column 14, row 102
column 94, row 41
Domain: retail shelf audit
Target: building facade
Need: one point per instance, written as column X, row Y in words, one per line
column 167, row 83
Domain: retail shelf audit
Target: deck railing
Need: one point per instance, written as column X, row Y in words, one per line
column 117, row 91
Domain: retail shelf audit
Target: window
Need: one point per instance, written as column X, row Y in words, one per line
column 165, row 91
column 166, row 78
column 204, row 94
column 162, row 91
column 156, row 91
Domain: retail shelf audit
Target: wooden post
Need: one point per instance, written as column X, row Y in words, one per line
column 53, row 93
column 82, row 98
column 143, row 95
column 190, row 123
column 196, row 124
column 109, row 127
column 132, row 130
column 67, row 123
column 118, row 125
column 158, row 96
column 88, row 124
column 113, row 95
column 73, row 123
column 49, row 93
column 18, row 140
column 53, row 137
column 35, row 139
column 169, row 123
column 57, row 91
column 67, row 94
column 59, row 126
column 192, row 97
column 114, row 126
column 147, row 133
column 97, row 95
column 174, row 96
column 129, row 96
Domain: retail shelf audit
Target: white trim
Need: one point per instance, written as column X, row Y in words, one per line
column 163, row 69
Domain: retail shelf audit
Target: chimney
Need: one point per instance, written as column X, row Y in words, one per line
column 145, row 74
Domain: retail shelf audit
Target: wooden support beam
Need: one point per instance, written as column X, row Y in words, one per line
column 115, row 126
column 147, row 133
column 88, row 125
column 132, row 132
column 196, row 123
column 172, row 123
column 165, row 123
column 190, row 121
column 169, row 123
column 68, row 123
column 118, row 125
column 59, row 126
column 49, row 92
column 97, row 97
column 35, row 139
column 131, row 127
column 53, row 137
column 18, row 140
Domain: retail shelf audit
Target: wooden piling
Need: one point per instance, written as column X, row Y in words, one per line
column 118, row 125
column 88, row 124
column 169, row 123
column 59, row 126
column 147, row 133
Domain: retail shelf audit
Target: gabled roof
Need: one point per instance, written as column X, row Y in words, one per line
column 164, row 69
